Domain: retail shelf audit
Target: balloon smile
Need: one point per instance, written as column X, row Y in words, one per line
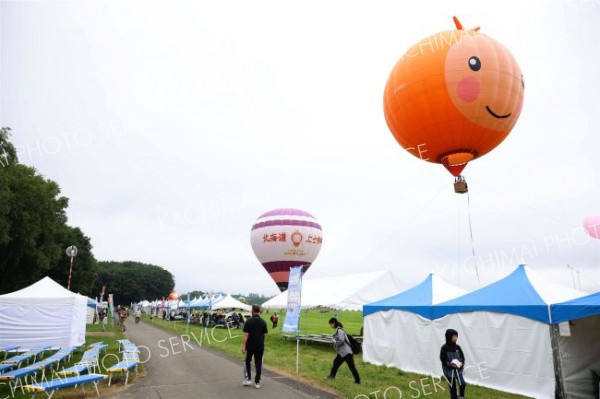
column 495, row 115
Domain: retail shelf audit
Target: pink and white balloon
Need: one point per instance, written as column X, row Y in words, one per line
column 285, row 238
column 591, row 224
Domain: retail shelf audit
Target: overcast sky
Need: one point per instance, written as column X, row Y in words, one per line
column 171, row 126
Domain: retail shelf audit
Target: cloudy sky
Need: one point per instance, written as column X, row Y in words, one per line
column 171, row 126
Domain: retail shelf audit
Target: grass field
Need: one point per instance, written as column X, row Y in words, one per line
column 107, row 359
column 316, row 359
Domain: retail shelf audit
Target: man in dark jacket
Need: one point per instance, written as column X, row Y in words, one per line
column 253, row 344
column 453, row 364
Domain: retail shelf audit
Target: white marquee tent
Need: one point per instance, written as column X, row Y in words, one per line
column 230, row 302
column 346, row 292
column 45, row 313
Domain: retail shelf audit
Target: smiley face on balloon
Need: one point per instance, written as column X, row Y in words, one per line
column 455, row 95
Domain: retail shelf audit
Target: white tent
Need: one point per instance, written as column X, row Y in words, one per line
column 345, row 292
column 504, row 330
column 230, row 302
column 45, row 313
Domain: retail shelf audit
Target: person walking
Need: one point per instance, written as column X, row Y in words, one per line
column 253, row 345
column 102, row 316
column 343, row 351
column 138, row 314
column 274, row 319
column 122, row 317
column 104, row 320
column 235, row 320
column 453, row 364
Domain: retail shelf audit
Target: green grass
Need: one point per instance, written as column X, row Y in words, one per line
column 107, row 359
column 316, row 359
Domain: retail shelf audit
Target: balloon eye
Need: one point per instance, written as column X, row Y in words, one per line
column 522, row 82
column 474, row 64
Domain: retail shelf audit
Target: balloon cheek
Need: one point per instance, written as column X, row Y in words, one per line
column 468, row 89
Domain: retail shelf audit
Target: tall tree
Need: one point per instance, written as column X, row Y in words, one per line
column 32, row 213
column 133, row 281
column 8, row 157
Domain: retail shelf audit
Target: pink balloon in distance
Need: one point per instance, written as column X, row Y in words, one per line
column 591, row 224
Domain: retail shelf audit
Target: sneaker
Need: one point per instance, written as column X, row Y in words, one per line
column 247, row 383
column 257, row 386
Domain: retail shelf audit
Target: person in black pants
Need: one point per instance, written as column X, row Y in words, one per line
column 453, row 364
column 343, row 351
column 253, row 344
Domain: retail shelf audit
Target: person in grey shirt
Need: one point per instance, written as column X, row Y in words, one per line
column 343, row 350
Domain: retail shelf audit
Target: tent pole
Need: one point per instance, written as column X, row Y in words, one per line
column 558, row 376
column 298, row 340
column 297, row 352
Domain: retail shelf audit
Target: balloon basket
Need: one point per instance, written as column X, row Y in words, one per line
column 460, row 185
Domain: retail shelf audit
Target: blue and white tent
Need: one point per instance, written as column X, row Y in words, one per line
column 580, row 346
column 522, row 293
column 398, row 330
column 578, row 308
column 419, row 299
column 504, row 330
column 208, row 302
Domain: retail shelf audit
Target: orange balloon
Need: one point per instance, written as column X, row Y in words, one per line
column 453, row 97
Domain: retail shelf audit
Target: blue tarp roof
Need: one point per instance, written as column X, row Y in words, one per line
column 576, row 308
column 513, row 294
column 416, row 300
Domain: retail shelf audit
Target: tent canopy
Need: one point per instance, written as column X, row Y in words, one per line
column 576, row 308
column 230, row 302
column 45, row 313
column 346, row 292
column 208, row 302
column 92, row 303
column 523, row 293
column 418, row 299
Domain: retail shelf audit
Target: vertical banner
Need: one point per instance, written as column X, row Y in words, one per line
column 189, row 314
column 111, row 310
column 291, row 323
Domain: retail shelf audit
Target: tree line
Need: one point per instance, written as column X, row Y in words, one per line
column 34, row 235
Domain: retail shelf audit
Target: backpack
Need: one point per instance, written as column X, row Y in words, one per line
column 354, row 345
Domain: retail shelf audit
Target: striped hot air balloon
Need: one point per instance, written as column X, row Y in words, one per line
column 284, row 238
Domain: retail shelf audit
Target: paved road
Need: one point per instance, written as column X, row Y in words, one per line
column 175, row 373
